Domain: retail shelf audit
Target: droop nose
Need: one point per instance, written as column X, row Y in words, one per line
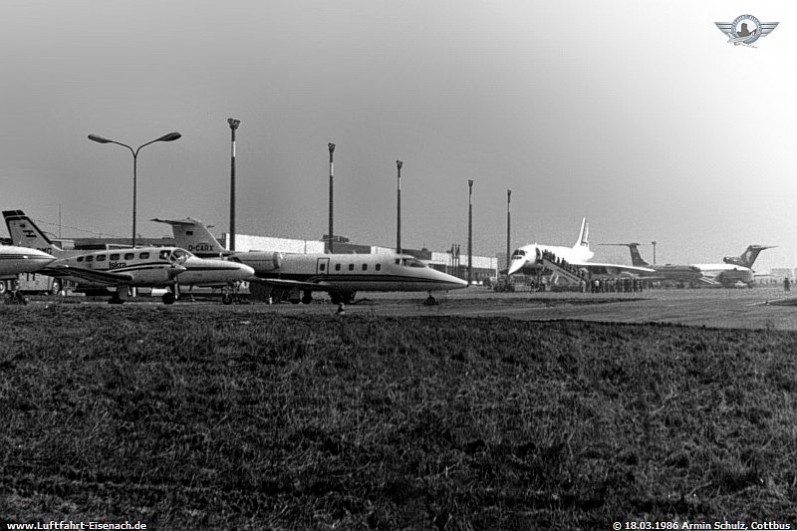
column 517, row 264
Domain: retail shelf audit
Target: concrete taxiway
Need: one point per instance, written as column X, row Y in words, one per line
column 758, row 308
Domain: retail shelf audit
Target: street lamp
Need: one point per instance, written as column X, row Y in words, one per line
column 165, row 138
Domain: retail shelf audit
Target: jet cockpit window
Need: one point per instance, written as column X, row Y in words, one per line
column 412, row 262
column 518, row 254
column 164, row 255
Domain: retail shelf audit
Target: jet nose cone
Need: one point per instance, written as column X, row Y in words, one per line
column 516, row 265
column 245, row 271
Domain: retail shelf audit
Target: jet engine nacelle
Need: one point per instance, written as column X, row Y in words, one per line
column 276, row 260
column 732, row 260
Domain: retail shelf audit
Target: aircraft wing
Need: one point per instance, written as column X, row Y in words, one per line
column 291, row 284
column 102, row 277
column 597, row 268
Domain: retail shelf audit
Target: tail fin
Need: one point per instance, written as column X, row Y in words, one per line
column 636, row 258
column 25, row 233
column 583, row 236
column 192, row 235
column 748, row 257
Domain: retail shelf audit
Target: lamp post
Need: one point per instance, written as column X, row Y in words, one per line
column 330, row 248
column 233, row 126
column 470, row 230
column 508, row 225
column 165, row 138
column 399, row 164
column 654, row 251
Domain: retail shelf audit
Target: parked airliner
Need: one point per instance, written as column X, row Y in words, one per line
column 340, row 275
column 529, row 258
column 733, row 269
column 157, row 267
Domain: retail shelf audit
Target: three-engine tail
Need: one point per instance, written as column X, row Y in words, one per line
column 193, row 235
column 748, row 257
column 25, row 233
column 636, row 258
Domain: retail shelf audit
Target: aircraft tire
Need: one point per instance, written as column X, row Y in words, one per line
column 226, row 299
column 3, row 287
column 430, row 301
column 168, row 298
column 336, row 298
column 56, row 287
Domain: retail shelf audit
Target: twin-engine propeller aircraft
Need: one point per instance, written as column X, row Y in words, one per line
column 340, row 275
column 538, row 257
column 155, row 267
column 733, row 269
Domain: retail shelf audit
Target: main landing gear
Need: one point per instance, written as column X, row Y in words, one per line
column 430, row 301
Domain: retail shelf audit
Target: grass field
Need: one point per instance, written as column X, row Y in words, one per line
column 218, row 418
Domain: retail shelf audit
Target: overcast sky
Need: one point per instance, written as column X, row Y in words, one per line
column 637, row 115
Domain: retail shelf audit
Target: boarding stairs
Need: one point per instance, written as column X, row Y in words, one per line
column 569, row 272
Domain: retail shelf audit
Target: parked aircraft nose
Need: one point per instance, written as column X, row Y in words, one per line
column 244, row 272
column 516, row 265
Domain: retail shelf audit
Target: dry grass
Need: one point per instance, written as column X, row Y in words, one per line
column 211, row 419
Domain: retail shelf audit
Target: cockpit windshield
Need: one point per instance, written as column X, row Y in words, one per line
column 519, row 253
column 410, row 262
column 178, row 256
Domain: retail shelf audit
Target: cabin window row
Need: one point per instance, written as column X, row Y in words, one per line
column 323, row 267
column 113, row 257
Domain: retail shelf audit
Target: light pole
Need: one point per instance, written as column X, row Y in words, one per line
column 330, row 249
column 233, row 126
column 165, row 138
column 508, row 226
column 399, row 164
column 470, row 230
column 654, row 251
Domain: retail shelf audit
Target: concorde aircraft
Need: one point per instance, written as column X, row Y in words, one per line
column 156, row 267
column 340, row 275
column 536, row 257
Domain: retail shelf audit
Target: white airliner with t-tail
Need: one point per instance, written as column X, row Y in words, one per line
column 155, row 267
column 340, row 275
column 537, row 257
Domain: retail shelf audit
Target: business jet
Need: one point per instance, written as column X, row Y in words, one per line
column 733, row 269
column 155, row 267
column 16, row 260
column 339, row 275
column 538, row 258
